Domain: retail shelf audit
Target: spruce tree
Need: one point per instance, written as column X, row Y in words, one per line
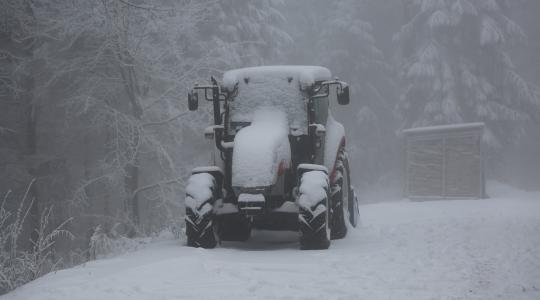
column 246, row 32
column 335, row 35
column 455, row 68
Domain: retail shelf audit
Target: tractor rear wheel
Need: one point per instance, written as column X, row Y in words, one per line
column 314, row 211
column 200, row 225
column 341, row 194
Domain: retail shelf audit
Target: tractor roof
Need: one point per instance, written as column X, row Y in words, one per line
column 305, row 75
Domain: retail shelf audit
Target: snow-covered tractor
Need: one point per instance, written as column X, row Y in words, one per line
column 279, row 161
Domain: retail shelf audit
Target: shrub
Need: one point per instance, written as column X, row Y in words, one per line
column 17, row 265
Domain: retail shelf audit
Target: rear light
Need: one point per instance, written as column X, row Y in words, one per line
column 341, row 147
column 333, row 175
column 283, row 166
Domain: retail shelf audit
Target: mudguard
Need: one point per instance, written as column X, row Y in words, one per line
column 335, row 140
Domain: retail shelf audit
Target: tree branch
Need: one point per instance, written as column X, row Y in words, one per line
column 157, row 123
column 152, row 185
column 5, row 130
column 145, row 7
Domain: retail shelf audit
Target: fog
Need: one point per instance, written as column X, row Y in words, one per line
column 95, row 128
column 398, row 57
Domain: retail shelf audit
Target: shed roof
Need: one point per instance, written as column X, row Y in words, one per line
column 444, row 128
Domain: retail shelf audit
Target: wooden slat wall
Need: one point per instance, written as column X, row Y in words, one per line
column 446, row 164
column 425, row 167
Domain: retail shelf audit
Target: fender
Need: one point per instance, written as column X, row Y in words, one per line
column 335, row 142
column 340, row 148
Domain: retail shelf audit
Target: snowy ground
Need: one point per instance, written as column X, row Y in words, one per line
column 476, row 249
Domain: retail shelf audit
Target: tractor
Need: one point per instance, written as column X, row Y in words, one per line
column 278, row 159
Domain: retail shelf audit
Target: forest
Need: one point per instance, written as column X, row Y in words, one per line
column 96, row 141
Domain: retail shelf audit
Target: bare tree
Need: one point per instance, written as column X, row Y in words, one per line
column 117, row 71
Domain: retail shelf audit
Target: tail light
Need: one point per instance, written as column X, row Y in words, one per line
column 283, row 166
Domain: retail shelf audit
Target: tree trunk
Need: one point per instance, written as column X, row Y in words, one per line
column 133, row 91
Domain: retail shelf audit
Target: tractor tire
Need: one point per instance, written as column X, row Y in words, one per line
column 314, row 220
column 354, row 210
column 200, row 220
column 200, row 230
column 234, row 228
column 341, row 196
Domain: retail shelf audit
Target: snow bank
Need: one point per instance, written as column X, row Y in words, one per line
column 260, row 148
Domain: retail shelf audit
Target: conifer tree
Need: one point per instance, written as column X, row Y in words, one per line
column 455, row 68
column 346, row 45
column 246, row 32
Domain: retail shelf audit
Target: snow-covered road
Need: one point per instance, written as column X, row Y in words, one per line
column 476, row 249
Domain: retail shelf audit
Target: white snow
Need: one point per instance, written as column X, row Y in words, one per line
column 246, row 198
column 460, row 249
column 260, row 148
column 207, row 169
column 199, row 189
column 275, row 86
column 313, row 188
column 443, row 128
column 305, row 75
column 335, row 132
column 273, row 92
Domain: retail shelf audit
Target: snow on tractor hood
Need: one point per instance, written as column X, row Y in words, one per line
column 260, row 148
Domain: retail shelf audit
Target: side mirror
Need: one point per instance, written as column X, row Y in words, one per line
column 343, row 96
column 193, row 100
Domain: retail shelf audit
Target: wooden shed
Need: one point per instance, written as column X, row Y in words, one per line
column 444, row 162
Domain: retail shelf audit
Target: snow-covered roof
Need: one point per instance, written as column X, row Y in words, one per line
column 305, row 75
column 433, row 129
